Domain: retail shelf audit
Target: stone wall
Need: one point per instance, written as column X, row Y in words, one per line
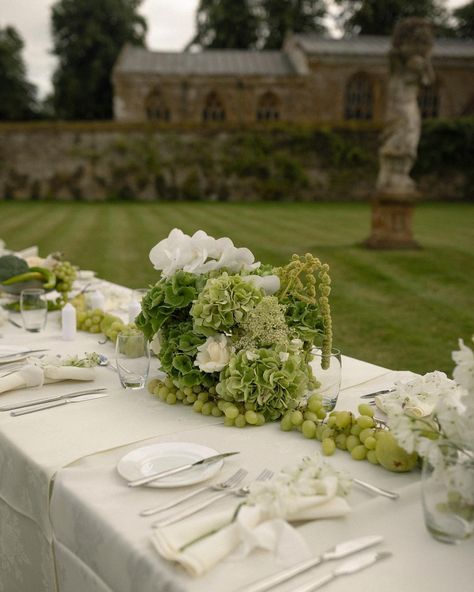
column 99, row 161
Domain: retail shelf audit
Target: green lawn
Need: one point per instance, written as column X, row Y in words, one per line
column 400, row 309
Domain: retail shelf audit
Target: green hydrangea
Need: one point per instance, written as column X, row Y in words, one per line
column 178, row 351
column 168, row 298
column 272, row 379
column 224, row 302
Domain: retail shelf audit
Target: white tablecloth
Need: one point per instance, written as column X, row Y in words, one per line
column 59, row 488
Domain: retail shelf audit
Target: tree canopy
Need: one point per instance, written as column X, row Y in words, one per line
column 291, row 16
column 378, row 17
column 247, row 24
column 17, row 95
column 87, row 38
column 225, row 24
column 464, row 16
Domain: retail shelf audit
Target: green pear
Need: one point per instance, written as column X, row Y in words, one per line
column 391, row 456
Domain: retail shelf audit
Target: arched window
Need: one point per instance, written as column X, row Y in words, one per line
column 428, row 101
column 213, row 108
column 358, row 101
column 268, row 107
column 156, row 108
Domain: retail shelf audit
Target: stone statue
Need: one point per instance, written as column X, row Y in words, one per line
column 410, row 68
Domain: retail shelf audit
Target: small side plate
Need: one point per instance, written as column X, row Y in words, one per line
column 147, row 460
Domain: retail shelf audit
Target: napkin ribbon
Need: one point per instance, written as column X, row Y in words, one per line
column 32, row 375
column 200, row 542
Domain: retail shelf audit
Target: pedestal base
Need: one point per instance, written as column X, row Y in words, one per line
column 392, row 217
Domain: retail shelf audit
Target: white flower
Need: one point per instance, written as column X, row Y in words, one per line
column 268, row 283
column 155, row 344
column 463, row 374
column 284, row 356
column 199, row 254
column 214, row 354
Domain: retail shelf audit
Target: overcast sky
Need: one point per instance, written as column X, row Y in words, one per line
column 170, row 27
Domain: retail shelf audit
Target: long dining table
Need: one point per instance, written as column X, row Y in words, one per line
column 70, row 523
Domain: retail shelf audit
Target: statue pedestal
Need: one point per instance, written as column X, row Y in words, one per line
column 392, row 215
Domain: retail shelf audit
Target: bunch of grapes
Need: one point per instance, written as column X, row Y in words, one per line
column 65, row 275
column 98, row 321
column 204, row 401
column 361, row 435
column 338, row 429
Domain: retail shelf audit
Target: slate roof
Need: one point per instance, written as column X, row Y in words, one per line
column 373, row 45
column 212, row 62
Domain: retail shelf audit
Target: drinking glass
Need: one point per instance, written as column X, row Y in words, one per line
column 329, row 379
column 447, row 487
column 132, row 356
column 34, row 309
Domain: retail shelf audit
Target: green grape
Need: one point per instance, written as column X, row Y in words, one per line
column 331, row 422
column 223, row 404
column 260, row 419
column 364, row 421
column 197, row 406
column 228, row 421
column 296, row 418
column 187, row 390
column 356, row 429
column 321, row 413
column 197, row 389
column 251, row 417
column 329, row 446
column 231, row 412
column 351, row 442
column 343, row 419
column 319, row 431
column 308, row 428
column 168, row 382
column 206, row 408
column 240, row 421
column 341, row 440
column 171, row 399
column 315, row 402
column 152, row 384
column 366, row 434
column 191, row 398
column 359, row 452
column 372, row 457
column 203, row 396
column 366, row 409
column 212, row 390
column 249, row 406
column 370, row 442
column 327, row 433
column 286, row 425
column 216, row 412
column 310, row 416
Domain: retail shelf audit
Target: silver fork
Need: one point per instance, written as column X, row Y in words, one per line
column 232, row 481
column 265, row 475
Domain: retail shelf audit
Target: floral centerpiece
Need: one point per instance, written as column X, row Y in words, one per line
column 444, row 438
column 234, row 336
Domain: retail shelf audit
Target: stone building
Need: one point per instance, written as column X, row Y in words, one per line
column 313, row 79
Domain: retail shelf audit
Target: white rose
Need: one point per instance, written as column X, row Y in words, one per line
column 214, row 354
column 268, row 283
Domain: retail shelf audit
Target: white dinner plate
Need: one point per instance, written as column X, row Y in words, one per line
column 168, row 455
column 13, row 353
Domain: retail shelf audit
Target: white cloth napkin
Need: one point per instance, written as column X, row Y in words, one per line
column 32, row 375
column 200, row 542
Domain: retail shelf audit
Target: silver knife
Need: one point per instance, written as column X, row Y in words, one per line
column 337, row 552
column 372, row 395
column 60, row 403
column 161, row 474
column 22, row 353
column 347, row 568
column 52, row 398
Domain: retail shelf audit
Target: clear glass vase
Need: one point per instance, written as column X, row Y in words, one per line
column 448, row 493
